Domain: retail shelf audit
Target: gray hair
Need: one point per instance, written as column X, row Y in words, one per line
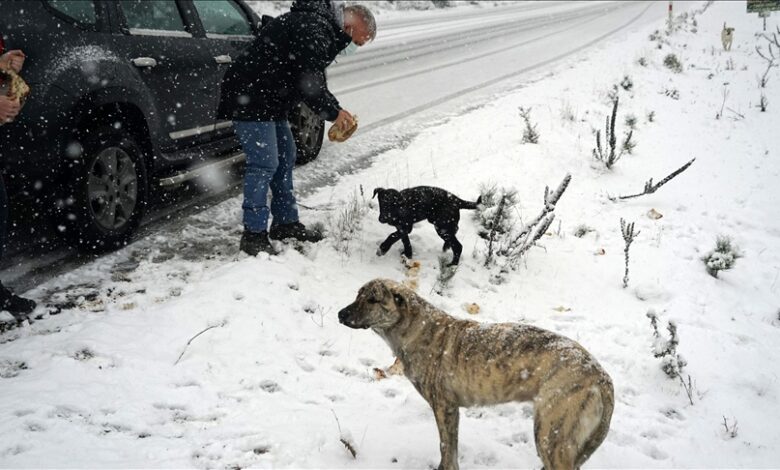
column 365, row 15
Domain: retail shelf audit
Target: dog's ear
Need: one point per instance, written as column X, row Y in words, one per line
column 377, row 191
column 400, row 294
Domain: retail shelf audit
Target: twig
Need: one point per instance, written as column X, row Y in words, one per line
column 688, row 388
column 628, row 237
column 325, row 207
column 523, row 241
column 343, row 440
column 725, row 95
column 224, row 322
column 650, row 188
column 741, row 116
column 730, row 431
column 494, row 228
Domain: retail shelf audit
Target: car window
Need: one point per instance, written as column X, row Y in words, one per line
column 222, row 17
column 81, row 11
column 160, row 15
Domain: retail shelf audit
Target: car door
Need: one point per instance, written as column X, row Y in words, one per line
column 175, row 66
column 228, row 29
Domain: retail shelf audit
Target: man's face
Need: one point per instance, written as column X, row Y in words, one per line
column 357, row 30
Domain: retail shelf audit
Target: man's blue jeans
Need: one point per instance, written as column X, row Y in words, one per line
column 270, row 158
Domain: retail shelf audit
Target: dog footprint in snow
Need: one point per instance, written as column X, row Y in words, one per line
column 673, row 413
column 270, row 386
column 10, row 369
column 305, row 366
column 621, row 439
column 34, row 426
column 654, row 452
column 14, row 450
column 169, row 406
column 232, row 455
column 350, row 372
column 485, row 459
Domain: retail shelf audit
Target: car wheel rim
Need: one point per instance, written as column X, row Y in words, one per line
column 308, row 126
column 112, row 188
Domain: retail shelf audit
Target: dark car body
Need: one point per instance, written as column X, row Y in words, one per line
column 140, row 79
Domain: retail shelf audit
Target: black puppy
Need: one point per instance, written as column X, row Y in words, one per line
column 403, row 209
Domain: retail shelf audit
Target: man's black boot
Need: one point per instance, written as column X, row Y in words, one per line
column 253, row 243
column 295, row 230
column 15, row 305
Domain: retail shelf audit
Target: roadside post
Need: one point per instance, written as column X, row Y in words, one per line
column 763, row 8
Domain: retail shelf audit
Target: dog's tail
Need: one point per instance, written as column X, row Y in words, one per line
column 470, row 205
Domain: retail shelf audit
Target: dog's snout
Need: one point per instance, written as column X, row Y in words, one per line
column 344, row 315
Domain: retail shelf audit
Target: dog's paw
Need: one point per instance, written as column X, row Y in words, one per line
column 380, row 251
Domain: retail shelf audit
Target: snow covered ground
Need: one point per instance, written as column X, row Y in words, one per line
column 112, row 381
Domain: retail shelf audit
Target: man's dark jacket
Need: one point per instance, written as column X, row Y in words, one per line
column 284, row 65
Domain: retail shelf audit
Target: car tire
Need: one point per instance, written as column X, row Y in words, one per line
column 308, row 130
column 108, row 192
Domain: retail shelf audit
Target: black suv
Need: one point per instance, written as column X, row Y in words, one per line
column 123, row 103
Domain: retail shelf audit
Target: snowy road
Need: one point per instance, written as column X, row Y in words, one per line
column 418, row 72
column 414, row 67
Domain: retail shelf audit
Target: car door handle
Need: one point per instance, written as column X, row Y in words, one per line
column 223, row 59
column 144, row 62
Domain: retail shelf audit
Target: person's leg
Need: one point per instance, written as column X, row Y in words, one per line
column 283, row 206
column 258, row 139
column 8, row 301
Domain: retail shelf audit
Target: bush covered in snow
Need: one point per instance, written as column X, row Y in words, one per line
column 492, row 214
column 347, row 221
column 673, row 63
column 506, row 238
column 530, row 135
column 627, row 84
column 722, row 258
column 672, row 363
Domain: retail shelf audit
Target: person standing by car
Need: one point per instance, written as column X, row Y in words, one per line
column 9, row 109
column 284, row 65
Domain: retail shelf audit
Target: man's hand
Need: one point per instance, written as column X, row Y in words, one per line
column 13, row 60
column 8, row 109
column 344, row 120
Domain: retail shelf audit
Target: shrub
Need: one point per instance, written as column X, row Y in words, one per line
column 607, row 153
column 631, row 121
column 672, row 363
column 530, row 135
column 348, row 220
column 493, row 212
column 673, row 63
column 627, row 84
column 582, row 230
column 651, row 116
column 722, row 258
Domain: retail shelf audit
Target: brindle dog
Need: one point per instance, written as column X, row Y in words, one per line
column 455, row 363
